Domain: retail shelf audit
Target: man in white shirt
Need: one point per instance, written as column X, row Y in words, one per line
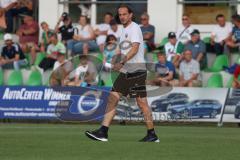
column 184, row 32
column 132, row 79
column 102, row 30
column 189, row 72
column 220, row 34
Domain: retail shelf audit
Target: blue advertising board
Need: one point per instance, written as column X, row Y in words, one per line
column 63, row 103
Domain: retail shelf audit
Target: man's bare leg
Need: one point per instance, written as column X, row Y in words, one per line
column 143, row 105
column 102, row 133
column 151, row 135
column 113, row 100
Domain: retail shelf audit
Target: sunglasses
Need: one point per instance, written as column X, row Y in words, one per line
column 185, row 19
column 143, row 19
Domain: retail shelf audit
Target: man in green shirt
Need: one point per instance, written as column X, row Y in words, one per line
column 53, row 51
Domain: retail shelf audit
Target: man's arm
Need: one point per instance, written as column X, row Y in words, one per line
column 148, row 36
column 194, row 77
column 169, row 77
column 16, row 58
column 132, row 52
column 58, row 24
column 201, row 52
column 200, row 57
column 98, row 33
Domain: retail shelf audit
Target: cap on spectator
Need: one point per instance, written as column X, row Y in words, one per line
column 7, row 37
column 113, row 22
column 195, row 32
column 171, row 35
column 65, row 16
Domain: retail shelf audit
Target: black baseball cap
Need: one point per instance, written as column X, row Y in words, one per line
column 171, row 35
column 195, row 31
column 65, row 16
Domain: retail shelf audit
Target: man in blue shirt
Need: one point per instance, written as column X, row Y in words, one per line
column 198, row 48
column 234, row 39
column 165, row 71
column 148, row 31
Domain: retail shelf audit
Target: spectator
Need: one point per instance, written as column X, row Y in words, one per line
column 220, row 34
column 236, row 81
column 45, row 36
column 183, row 33
column 67, row 29
column 110, row 51
column 53, row 51
column 165, row 71
column 28, row 34
column 148, row 31
column 84, row 74
column 234, row 38
column 61, row 70
column 235, row 17
column 102, row 30
column 197, row 47
column 83, row 40
column 12, row 55
column 189, row 71
column 11, row 8
column 115, row 30
column 174, row 49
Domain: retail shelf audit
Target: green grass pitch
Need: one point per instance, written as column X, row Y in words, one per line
column 68, row 142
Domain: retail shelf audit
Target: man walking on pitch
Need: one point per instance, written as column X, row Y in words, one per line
column 131, row 80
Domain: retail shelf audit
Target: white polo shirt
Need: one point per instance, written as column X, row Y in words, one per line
column 221, row 33
column 132, row 34
column 6, row 3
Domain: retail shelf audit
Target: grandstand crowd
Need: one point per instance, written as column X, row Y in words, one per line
column 180, row 57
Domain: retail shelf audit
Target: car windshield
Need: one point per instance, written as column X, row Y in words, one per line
column 194, row 102
column 171, row 96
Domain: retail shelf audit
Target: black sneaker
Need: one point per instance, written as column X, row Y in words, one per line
column 97, row 135
column 150, row 138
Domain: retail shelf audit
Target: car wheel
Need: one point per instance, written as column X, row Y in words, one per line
column 213, row 114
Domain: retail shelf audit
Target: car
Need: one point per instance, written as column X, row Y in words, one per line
column 237, row 111
column 197, row 108
column 234, row 98
column 165, row 102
